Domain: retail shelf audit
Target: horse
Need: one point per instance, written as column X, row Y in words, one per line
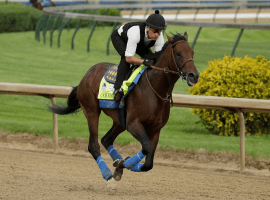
column 39, row 4
column 147, row 107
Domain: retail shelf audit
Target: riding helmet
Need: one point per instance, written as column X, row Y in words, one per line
column 156, row 21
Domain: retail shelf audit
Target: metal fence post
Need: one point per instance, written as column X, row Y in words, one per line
column 55, row 127
column 39, row 27
column 237, row 41
column 196, row 37
column 74, row 34
column 61, row 29
column 109, row 39
column 53, row 28
column 108, row 43
column 90, row 35
column 46, row 24
column 242, row 140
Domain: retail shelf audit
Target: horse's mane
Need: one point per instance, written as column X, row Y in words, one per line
column 176, row 37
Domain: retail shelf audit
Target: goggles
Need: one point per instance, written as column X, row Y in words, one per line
column 154, row 30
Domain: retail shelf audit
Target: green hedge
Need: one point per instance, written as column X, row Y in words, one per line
column 234, row 77
column 16, row 17
column 85, row 23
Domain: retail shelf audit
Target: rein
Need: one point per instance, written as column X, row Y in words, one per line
column 166, row 71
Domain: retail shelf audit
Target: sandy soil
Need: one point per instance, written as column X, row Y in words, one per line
column 30, row 169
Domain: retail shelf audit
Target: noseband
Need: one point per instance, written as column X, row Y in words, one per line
column 167, row 70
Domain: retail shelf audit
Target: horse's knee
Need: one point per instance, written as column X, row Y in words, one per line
column 105, row 142
column 147, row 167
column 94, row 152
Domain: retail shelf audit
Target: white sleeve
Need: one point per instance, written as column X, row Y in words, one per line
column 133, row 35
column 159, row 43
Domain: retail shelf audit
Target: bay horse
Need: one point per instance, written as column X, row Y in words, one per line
column 147, row 107
column 39, row 4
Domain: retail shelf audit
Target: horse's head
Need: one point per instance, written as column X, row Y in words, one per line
column 181, row 58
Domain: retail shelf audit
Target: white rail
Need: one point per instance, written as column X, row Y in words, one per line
column 238, row 105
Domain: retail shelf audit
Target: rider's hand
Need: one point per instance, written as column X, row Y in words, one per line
column 148, row 62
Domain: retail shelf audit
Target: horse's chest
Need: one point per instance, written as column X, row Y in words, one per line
column 159, row 118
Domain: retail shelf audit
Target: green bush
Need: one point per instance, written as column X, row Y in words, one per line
column 85, row 23
column 16, row 17
column 234, row 77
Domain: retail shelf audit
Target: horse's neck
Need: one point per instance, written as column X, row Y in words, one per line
column 162, row 82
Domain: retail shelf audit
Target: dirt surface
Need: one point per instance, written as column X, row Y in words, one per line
column 30, row 169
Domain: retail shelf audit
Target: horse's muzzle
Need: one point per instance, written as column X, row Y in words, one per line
column 192, row 78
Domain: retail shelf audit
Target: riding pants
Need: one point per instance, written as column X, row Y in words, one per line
column 124, row 67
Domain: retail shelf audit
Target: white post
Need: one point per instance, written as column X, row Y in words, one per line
column 55, row 127
column 242, row 140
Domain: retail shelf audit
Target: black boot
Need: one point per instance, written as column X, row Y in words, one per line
column 118, row 94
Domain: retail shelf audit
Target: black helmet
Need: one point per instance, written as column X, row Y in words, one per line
column 156, row 21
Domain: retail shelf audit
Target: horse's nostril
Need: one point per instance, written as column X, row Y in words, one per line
column 191, row 75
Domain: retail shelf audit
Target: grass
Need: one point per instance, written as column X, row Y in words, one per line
column 24, row 60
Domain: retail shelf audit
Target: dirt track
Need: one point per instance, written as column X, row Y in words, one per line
column 29, row 169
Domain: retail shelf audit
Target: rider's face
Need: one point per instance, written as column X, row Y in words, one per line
column 153, row 34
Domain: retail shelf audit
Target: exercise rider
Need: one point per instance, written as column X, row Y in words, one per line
column 137, row 38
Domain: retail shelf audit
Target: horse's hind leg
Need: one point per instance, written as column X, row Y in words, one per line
column 92, row 116
column 109, row 138
column 107, row 142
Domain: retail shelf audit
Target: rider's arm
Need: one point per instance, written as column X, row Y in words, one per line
column 133, row 39
column 134, row 60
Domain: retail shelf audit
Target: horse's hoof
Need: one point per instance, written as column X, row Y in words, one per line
column 111, row 184
column 117, row 174
column 119, row 163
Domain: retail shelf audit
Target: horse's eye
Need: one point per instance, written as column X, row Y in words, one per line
column 178, row 54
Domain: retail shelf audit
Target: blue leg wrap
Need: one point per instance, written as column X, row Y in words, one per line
column 137, row 168
column 133, row 161
column 114, row 153
column 105, row 171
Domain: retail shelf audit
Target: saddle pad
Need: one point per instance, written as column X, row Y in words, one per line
column 110, row 75
column 106, row 88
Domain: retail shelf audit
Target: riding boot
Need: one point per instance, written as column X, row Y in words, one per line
column 122, row 73
column 118, row 94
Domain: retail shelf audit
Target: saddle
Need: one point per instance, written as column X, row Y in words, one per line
column 106, row 88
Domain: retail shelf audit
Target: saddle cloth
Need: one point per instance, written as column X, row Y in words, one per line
column 106, row 87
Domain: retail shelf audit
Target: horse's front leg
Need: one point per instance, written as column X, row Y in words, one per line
column 148, row 149
column 149, row 159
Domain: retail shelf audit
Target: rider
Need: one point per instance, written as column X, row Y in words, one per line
column 137, row 38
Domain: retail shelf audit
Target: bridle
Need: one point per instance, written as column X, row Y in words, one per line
column 167, row 70
column 181, row 67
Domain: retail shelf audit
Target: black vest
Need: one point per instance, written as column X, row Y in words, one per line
column 140, row 46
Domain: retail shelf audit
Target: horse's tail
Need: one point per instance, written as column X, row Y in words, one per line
column 72, row 104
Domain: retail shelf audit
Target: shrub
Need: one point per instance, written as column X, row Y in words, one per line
column 85, row 23
column 16, row 17
column 234, row 77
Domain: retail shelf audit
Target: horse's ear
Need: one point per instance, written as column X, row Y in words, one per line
column 186, row 36
column 169, row 38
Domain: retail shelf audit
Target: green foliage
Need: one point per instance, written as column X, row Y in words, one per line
column 16, row 17
column 72, row 23
column 234, row 77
